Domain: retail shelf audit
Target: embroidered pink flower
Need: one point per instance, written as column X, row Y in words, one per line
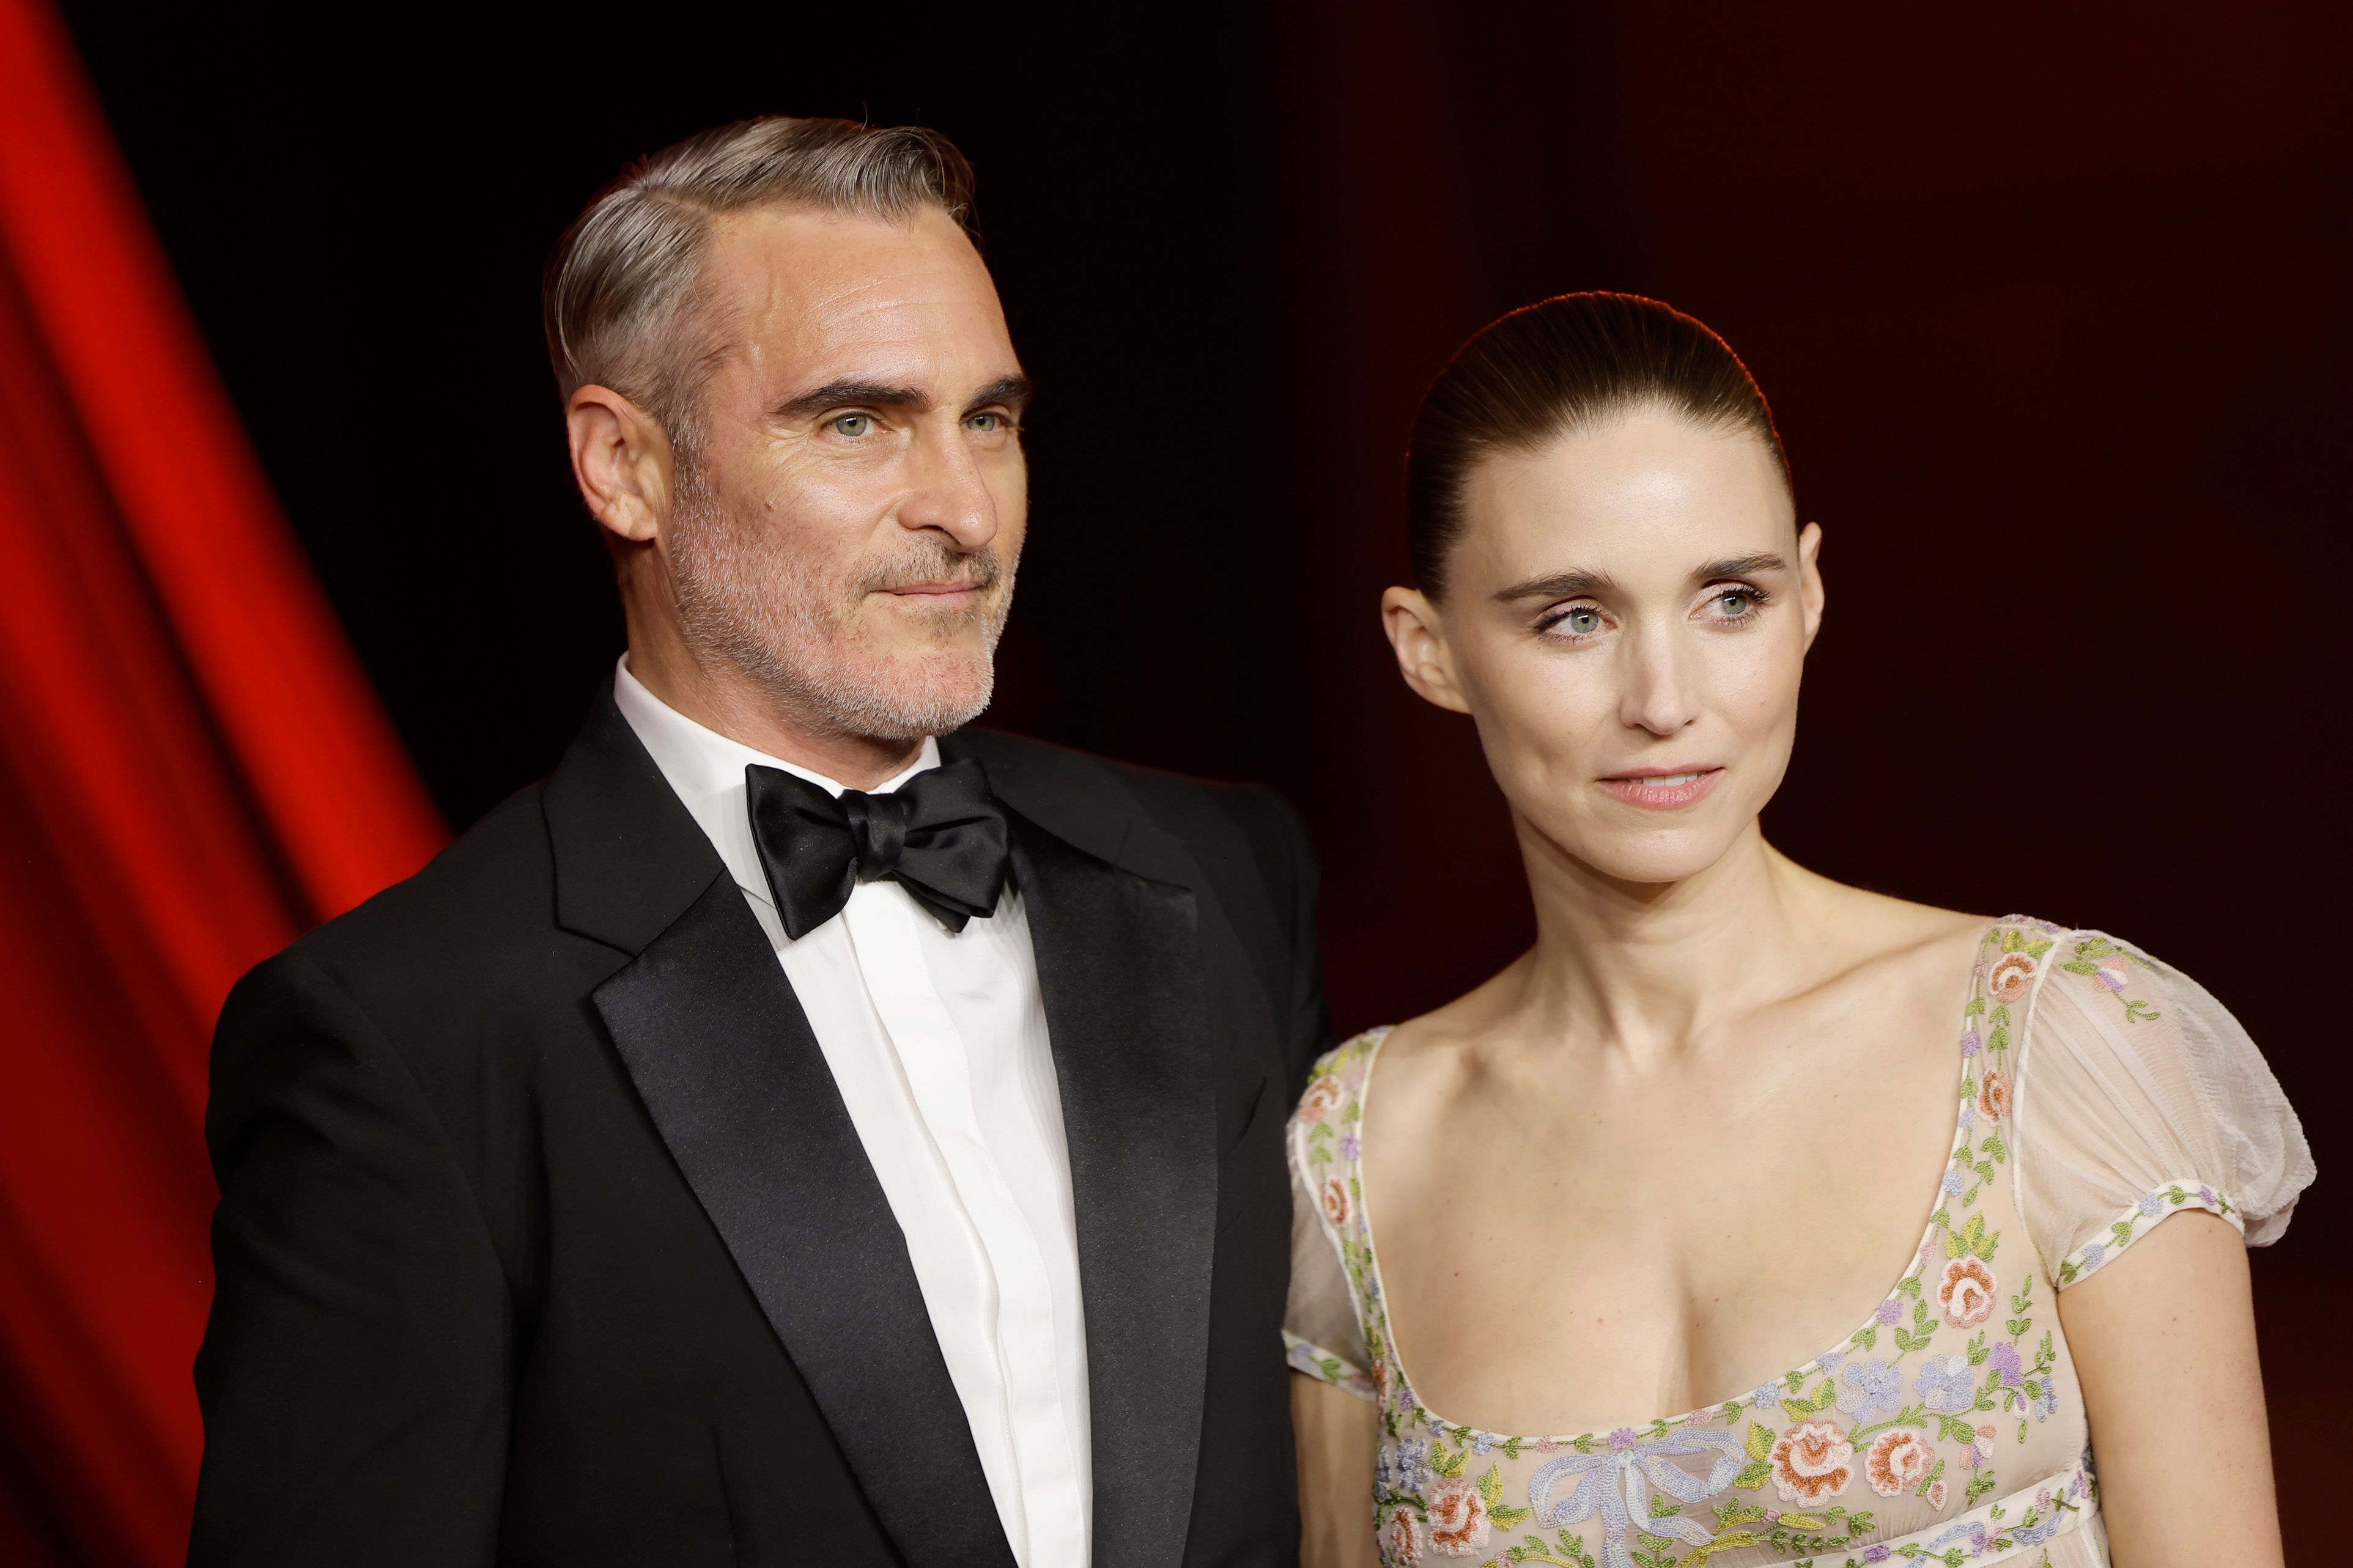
column 1937, row 1496
column 1402, row 1537
column 1812, row 1460
column 2111, row 974
column 1900, row 1458
column 1993, row 1095
column 2013, row 974
column 1337, row 1207
column 1321, row 1098
column 1458, row 1518
column 1966, row 1292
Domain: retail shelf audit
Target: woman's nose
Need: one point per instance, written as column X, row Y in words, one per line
column 1661, row 694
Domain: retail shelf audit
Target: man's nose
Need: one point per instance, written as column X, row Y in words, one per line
column 949, row 492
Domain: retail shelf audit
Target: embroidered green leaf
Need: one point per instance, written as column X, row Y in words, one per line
column 2122, row 1230
column 1825, row 1396
column 1664, row 1507
column 1446, row 1464
column 1753, row 1475
column 1867, row 1337
column 2038, row 947
column 1975, row 1008
column 2138, row 1012
column 1760, row 1441
column 1507, row 1517
column 1804, row 1521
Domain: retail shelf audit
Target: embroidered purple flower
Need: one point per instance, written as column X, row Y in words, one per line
column 1766, row 1397
column 2152, row 1204
column 1349, row 1146
column 1946, row 1385
column 1404, row 1468
column 1952, row 1183
column 1483, row 1443
column 1623, row 1438
column 1891, row 1312
column 2092, row 1257
column 2111, row 974
column 1968, row 1117
column 2007, row 1368
column 1874, row 1389
column 1830, row 1363
column 2206, row 1196
column 1875, row 1554
column 1971, row 1044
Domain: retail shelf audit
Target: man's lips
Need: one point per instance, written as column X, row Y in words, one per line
column 1663, row 789
column 931, row 590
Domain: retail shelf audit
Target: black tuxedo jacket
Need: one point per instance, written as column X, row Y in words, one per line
column 544, row 1237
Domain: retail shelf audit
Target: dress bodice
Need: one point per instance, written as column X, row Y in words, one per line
column 2098, row 1093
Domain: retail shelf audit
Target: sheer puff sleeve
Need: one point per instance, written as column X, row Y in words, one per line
column 2140, row 1096
column 1321, row 1332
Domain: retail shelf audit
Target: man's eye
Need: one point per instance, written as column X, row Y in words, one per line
column 852, row 426
column 985, row 424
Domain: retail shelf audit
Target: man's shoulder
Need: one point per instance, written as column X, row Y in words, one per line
column 482, row 908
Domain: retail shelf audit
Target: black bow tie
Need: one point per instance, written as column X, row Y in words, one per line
column 940, row 835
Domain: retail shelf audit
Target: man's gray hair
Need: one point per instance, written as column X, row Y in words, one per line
column 624, row 290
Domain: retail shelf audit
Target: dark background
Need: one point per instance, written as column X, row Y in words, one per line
column 2050, row 309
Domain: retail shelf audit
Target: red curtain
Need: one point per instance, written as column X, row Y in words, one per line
column 192, row 771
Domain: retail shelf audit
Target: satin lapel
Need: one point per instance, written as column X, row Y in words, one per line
column 1120, row 965
column 725, row 1061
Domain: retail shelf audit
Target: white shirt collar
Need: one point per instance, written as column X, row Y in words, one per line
column 706, row 770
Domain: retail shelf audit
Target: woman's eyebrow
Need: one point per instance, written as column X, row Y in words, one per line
column 1738, row 566
column 1557, row 586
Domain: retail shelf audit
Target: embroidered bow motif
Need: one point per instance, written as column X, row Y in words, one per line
column 1616, row 1486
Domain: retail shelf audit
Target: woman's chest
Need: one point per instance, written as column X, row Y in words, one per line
column 1551, row 1271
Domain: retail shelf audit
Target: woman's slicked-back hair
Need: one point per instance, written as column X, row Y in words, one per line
column 622, row 295
column 1562, row 364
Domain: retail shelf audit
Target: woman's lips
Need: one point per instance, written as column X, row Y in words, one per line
column 1663, row 792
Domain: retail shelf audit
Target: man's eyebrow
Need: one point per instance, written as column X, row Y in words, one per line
column 1012, row 390
column 1738, row 566
column 1557, row 586
column 845, row 394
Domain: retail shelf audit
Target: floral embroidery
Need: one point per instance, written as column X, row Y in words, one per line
column 1993, row 1095
column 2012, row 975
column 1458, row 1518
column 1812, row 1461
column 2137, row 1221
column 1402, row 1537
column 1321, row 1098
column 1921, row 1404
column 2109, row 967
column 1965, row 1293
column 1900, row 1459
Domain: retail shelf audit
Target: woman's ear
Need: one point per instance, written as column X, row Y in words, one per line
column 1810, row 593
column 621, row 458
column 1417, row 634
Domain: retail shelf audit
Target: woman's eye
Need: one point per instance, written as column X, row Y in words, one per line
column 1734, row 604
column 1580, row 622
column 852, row 426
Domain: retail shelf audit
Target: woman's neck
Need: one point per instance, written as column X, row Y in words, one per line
column 1646, row 968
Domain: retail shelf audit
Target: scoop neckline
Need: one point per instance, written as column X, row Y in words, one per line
column 1378, row 1037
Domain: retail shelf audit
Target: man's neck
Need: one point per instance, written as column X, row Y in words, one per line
column 751, row 717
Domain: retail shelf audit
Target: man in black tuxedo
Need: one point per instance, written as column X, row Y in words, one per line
column 803, row 1130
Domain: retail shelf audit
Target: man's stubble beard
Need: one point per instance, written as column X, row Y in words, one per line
column 739, row 599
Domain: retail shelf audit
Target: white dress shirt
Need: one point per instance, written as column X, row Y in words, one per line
column 937, row 1040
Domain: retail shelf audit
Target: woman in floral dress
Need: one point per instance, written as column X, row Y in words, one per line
column 1751, row 1218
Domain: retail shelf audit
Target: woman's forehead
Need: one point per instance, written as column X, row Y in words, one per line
column 1645, row 489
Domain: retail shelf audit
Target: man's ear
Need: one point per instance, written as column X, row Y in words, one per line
column 1419, row 636
column 621, row 458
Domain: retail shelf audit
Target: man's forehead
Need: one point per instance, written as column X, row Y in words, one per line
column 813, row 296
